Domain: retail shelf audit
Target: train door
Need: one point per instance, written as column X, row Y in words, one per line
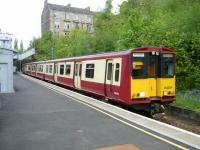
column 109, row 78
column 77, row 75
column 55, row 72
column 152, row 74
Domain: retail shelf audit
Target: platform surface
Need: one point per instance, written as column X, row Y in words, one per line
column 36, row 118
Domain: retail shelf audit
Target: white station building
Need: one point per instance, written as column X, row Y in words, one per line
column 6, row 63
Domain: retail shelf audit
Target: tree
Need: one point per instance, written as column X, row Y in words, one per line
column 171, row 23
column 108, row 6
column 21, row 46
column 16, row 44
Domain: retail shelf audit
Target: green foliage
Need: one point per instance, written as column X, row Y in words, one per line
column 79, row 43
column 16, row 44
column 21, row 46
column 108, row 6
column 171, row 23
column 187, row 103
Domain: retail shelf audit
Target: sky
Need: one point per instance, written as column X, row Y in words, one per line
column 22, row 18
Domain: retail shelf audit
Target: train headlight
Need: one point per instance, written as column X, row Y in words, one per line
column 165, row 93
column 139, row 94
column 168, row 93
column 142, row 94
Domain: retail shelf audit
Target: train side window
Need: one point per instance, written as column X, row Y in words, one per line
column 61, row 69
column 89, row 71
column 117, row 72
column 110, row 68
column 47, row 68
column 50, row 68
column 68, row 69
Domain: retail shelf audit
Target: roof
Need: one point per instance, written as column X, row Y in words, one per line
column 68, row 8
column 8, row 49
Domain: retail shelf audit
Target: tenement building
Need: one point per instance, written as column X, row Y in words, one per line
column 61, row 19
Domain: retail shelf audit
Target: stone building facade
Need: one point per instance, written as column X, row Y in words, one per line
column 61, row 19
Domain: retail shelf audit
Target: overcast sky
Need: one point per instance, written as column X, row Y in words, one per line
column 22, row 17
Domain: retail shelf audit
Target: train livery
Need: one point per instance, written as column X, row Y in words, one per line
column 143, row 78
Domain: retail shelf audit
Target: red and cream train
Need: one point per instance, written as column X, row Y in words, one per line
column 143, row 78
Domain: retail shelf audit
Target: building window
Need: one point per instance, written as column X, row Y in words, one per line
column 57, row 25
column 89, row 71
column 66, row 26
column 56, row 14
column 117, row 72
column 61, row 69
column 76, row 17
column 68, row 69
column 66, row 16
column 109, row 74
column 82, row 25
column 76, row 25
column 89, row 19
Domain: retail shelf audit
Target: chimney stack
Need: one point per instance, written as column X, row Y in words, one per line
column 88, row 8
column 69, row 5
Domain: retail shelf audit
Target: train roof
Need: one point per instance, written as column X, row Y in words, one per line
column 104, row 54
column 107, row 54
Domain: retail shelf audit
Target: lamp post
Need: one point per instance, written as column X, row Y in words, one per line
column 52, row 45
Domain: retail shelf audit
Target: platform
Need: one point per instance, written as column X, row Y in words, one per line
column 35, row 117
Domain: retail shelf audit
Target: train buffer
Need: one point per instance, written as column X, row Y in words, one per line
column 40, row 115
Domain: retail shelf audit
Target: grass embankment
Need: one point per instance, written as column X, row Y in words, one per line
column 187, row 103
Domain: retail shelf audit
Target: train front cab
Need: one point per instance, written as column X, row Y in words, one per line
column 153, row 78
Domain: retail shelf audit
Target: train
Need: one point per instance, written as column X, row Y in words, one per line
column 143, row 78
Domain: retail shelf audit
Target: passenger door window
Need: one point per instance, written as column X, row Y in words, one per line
column 117, row 72
column 152, row 65
column 110, row 70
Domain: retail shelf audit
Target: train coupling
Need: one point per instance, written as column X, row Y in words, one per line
column 157, row 108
